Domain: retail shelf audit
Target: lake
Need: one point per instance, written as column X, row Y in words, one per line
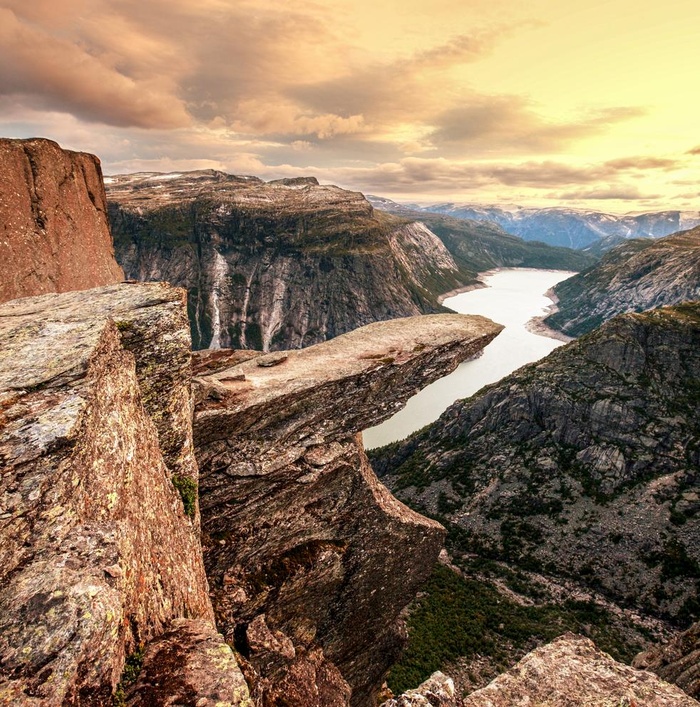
column 512, row 297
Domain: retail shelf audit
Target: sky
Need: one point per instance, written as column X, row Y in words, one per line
column 539, row 103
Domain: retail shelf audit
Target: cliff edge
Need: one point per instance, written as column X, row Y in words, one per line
column 54, row 233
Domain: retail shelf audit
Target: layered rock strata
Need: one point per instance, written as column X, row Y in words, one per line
column 54, row 233
column 677, row 661
column 275, row 265
column 633, row 277
column 572, row 672
column 310, row 559
column 99, row 553
column 583, row 466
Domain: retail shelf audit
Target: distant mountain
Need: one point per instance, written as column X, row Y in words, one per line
column 633, row 277
column 573, row 228
column 275, row 265
column 583, row 467
column 482, row 245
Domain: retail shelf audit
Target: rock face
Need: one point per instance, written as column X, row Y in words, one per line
column 677, row 662
column 633, row 277
column 310, row 559
column 572, row 672
column 275, row 265
column 98, row 552
column 54, row 234
column 584, row 465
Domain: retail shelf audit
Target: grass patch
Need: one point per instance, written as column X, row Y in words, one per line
column 457, row 617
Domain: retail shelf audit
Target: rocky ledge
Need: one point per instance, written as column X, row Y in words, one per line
column 310, row 559
column 98, row 552
column 54, row 234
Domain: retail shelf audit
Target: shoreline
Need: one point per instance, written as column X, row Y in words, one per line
column 535, row 325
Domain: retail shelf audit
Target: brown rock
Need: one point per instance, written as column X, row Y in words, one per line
column 97, row 555
column 190, row 664
column 296, row 517
column 572, row 672
column 54, row 234
column 678, row 661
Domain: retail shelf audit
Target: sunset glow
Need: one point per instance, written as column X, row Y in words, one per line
column 549, row 102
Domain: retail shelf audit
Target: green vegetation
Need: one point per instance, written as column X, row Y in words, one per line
column 457, row 617
column 130, row 674
column 187, row 488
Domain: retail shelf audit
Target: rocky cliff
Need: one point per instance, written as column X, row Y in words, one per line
column 310, row 559
column 275, row 265
column 54, row 235
column 99, row 553
column 583, row 466
column 633, row 277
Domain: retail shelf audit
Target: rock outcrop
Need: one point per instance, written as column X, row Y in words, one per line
column 275, row 265
column 584, row 466
column 99, row 553
column 572, row 672
column 677, row 661
column 310, row 559
column 634, row 277
column 54, row 234
column 437, row 691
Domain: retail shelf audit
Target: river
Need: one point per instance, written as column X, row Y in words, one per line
column 512, row 297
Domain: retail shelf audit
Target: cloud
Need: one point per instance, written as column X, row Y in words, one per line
column 694, row 151
column 607, row 193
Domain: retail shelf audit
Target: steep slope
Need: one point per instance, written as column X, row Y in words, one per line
column 275, row 265
column 481, row 245
column 583, row 466
column 572, row 228
column 633, row 277
column 54, row 235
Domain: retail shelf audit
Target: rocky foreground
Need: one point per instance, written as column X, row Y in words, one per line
column 100, row 522
column 633, row 277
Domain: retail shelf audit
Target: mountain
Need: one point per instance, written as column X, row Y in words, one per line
column 275, row 265
column 582, row 468
column 54, row 234
column 633, row 277
column 482, row 245
column 573, row 228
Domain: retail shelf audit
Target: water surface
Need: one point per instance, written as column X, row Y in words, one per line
column 512, row 297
